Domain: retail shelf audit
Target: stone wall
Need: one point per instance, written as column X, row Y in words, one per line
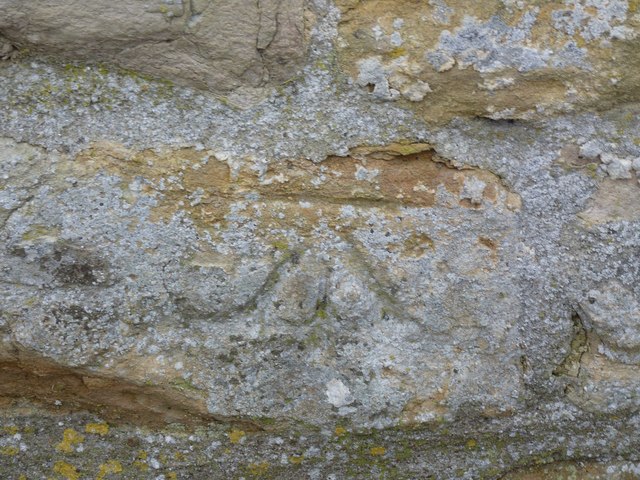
column 305, row 239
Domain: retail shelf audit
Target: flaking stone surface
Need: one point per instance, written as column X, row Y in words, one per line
column 356, row 240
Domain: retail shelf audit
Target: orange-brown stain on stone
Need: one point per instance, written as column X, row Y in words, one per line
column 44, row 382
column 434, row 406
column 290, row 193
column 491, row 245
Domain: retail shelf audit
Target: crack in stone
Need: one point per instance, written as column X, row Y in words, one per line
column 572, row 363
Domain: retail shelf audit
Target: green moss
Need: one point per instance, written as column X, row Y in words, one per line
column 321, row 65
column 591, row 169
column 280, row 245
column 404, row 454
column 265, row 421
column 184, row 385
column 31, row 301
column 39, row 231
column 313, row 339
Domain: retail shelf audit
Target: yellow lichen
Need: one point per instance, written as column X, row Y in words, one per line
column 340, row 431
column 258, row 469
column 471, row 444
column 397, row 52
column 9, row 451
column 142, row 466
column 70, row 438
column 179, row 456
column 112, row 466
column 296, row 459
column 10, row 430
column 377, row 451
column 172, row 476
column 66, row 470
column 97, row 428
column 235, row 436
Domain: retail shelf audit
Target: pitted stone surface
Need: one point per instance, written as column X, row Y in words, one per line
column 416, row 259
column 450, row 58
column 278, row 261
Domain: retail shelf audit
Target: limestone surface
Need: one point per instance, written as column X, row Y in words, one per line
column 221, row 46
column 287, row 239
column 499, row 59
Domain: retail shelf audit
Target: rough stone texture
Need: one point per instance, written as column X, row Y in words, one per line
column 222, row 46
column 497, row 58
column 381, row 270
